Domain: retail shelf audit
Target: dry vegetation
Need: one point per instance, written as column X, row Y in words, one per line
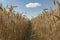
column 47, row 25
column 15, row 26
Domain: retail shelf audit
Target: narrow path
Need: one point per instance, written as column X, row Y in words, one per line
column 28, row 31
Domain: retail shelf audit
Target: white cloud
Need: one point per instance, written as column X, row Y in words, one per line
column 32, row 5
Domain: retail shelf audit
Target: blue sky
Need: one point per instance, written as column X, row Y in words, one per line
column 30, row 10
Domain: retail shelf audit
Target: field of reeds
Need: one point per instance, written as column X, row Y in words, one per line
column 15, row 26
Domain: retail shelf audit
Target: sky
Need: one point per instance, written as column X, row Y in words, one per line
column 29, row 7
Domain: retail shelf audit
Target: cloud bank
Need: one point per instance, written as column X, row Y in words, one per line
column 32, row 5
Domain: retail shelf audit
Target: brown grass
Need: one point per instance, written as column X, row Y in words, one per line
column 15, row 26
column 47, row 25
